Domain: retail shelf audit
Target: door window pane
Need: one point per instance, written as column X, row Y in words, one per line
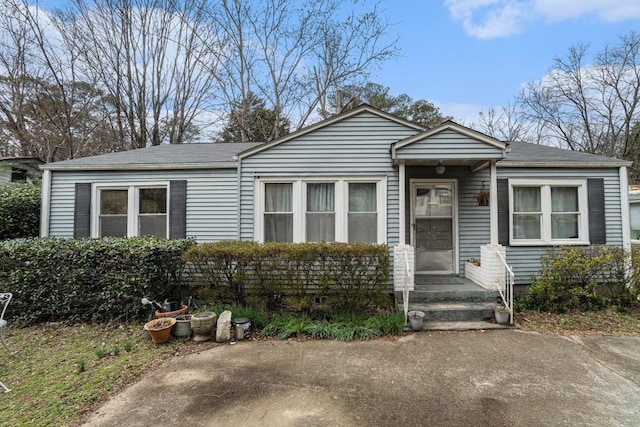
column 320, row 216
column 113, row 213
column 278, row 212
column 362, row 215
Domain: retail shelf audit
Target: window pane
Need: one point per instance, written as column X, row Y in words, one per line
column 321, row 227
column 564, row 199
column 152, row 225
column 320, row 217
column 362, row 197
column 113, row 226
column 153, row 200
column 278, row 227
column 113, row 202
column 526, row 226
column 277, row 197
column 564, row 226
column 634, row 209
column 526, row 199
column 320, row 197
column 363, row 228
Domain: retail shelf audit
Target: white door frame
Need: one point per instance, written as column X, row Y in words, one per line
column 413, row 183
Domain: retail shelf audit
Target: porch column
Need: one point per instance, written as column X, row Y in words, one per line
column 401, row 207
column 493, row 203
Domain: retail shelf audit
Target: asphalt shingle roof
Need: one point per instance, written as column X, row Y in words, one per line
column 544, row 155
column 161, row 155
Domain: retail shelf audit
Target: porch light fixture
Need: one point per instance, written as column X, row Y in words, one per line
column 440, row 168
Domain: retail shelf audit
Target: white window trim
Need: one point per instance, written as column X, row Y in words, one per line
column 133, row 203
column 299, row 190
column 545, row 194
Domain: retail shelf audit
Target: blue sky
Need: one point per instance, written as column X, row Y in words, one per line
column 466, row 55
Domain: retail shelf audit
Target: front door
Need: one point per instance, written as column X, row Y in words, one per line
column 433, row 226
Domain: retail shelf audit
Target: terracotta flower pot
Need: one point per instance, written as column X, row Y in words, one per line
column 160, row 329
column 175, row 313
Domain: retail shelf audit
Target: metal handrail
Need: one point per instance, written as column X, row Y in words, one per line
column 510, row 278
column 405, row 289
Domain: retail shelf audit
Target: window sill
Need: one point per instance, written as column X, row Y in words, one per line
column 549, row 243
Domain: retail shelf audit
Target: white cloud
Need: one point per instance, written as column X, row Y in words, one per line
column 606, row 10
column 485, row 19
column 465, row 114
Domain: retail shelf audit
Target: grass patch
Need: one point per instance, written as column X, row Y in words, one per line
column 609, row 321
column 59, row 372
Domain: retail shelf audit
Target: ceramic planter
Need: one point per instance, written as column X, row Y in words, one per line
column 160, row 329
column 202, row 325
column 182, row 329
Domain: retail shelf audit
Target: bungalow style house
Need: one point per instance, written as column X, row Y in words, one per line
column 448, row 195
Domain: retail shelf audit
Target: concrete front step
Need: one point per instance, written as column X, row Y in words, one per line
column 453, row 311
column 434, row 293
column 460, row 326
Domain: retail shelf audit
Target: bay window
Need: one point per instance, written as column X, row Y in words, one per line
column 548, row 212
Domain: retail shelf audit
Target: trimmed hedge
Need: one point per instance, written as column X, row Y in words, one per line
column 19, row 211
column 293, row 276
column 89, row 279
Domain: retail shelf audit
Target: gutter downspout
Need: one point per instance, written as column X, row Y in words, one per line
column 45, row 203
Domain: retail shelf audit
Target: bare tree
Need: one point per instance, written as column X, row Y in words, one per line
column 47, row 110
column 508, row 123
column 590, row 107
column 149, row 56
column 292, row 54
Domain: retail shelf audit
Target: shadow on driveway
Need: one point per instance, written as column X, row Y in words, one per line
column 471, row 378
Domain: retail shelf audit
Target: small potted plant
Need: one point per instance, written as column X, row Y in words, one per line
column 482, row 197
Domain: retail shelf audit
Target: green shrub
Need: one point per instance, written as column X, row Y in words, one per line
column 583, row 277
column 89, row 279
column 19, row 211
column 294, row 276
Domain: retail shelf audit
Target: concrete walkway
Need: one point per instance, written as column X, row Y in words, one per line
column 471, row 378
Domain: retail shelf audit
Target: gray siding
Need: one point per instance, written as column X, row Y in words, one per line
column 449, row 145
column 211, row 199
column 525, row 260
column 358, row 145
column 473, row 220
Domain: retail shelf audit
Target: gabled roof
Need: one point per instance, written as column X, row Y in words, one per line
column 525, row 154
column 445, row 126
column 164, row 156
column 337, row 118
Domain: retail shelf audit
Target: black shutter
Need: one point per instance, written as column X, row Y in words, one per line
column 503, row 212
column 177, row 209
column 597, row 222
column 82, row 211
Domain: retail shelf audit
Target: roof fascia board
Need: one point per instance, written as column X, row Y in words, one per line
column 509, row 164
column 449, row 125
column 134, row 166
column 327, row 122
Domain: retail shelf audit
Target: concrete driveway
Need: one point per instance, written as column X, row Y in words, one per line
column 472, row 378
